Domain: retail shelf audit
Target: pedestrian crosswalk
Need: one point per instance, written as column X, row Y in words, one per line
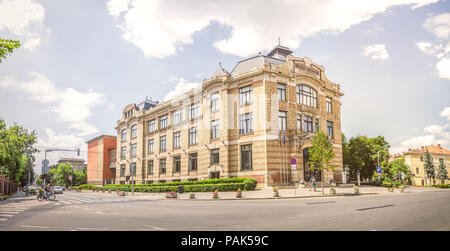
column 9, row 211
column 61, row 200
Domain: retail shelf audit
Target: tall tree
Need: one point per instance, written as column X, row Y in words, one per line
column 442, row 174
column 7, row 47
column 428, row 166
column 321, row 154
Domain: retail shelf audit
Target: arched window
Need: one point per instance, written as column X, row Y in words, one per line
column 123, row 134
column 306, row 95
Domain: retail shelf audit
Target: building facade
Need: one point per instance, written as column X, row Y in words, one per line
column 247, row 123
column 101, row 166
column 414, row 158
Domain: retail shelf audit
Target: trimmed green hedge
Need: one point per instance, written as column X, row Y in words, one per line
column 222, row 185
column 443, row 186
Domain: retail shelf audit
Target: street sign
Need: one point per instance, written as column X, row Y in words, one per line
column 294, row 167
column 70, row 177
column 378, row 169
column 403, row 176
column 293, row 161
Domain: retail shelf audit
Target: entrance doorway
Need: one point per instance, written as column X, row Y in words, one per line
column 214, row 175
column 307, row 174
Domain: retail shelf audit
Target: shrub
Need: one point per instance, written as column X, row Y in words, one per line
column 443, row 186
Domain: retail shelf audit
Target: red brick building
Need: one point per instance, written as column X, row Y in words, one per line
column 101, row 164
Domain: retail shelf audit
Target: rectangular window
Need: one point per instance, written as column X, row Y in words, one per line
column 162, row 166
column 214, row 129
column 245, row 95
column 417, row 170
column 133, row 150
column 194, row 110
column 163, row 122
column 193, row 136
column 122, row 170
column 176, row 164
column 150, row 167
column 329, row 104
column 193, row 162
column 299, row 122
column 306, row 95
column 123, row 134
column 245, row 123
column 330, row 128
column 282, row 122
column 316, row 125
column 123, row 152
column 307, row 124
column 151, row 126
column 441, row 161
column 177, row 117
column 246, row 157
column 134, row 131
column 162, row 143
column 113, row 156
column 151, row 146
column 282, row 92
column 176, row 140
column 214, row 156
column 215, row 102
column 133, row 169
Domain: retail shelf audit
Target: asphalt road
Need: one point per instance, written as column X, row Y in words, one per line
column 92, row 211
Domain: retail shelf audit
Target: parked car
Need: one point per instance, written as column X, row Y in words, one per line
column 58, row 189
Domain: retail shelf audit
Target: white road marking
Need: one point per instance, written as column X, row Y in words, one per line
column 154, row 227
column 2, row 219
column 6, row 215
column 66, row 202
column 75, row 201
column 33, row 226
column 9, row 212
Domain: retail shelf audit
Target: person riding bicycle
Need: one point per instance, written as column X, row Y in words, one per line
column 48, row 189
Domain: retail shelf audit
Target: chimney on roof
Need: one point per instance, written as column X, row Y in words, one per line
column 439, row 145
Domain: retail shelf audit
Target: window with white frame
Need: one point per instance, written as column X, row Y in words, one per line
column 245, row 95
column 151, row 144
column 151, row 126
column 123, row 134
column 194, row 110
column 307, row 124
column 133, row 131
column 282, row 120
column 133, row 150
column 177, row 117
column 163, row 122
column 176, row 140
column 245, row 123
column 215, row 102
column 306, row 95
column 123, row 152
column 329, row 104
column 282, row 92
column 215, row 129
column 330, row 128
column 192, row 135
column 162, row 143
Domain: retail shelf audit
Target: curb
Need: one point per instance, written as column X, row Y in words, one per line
column 273, row 198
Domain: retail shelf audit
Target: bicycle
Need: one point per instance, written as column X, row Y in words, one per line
column 43, row 196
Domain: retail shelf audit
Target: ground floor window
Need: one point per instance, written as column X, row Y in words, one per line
column 214, row 156
column 214, row 175
column 162, row 166
column 193, row 162
column 246, row 157
column 176, row 164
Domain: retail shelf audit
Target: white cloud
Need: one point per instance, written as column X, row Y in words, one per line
column 423, row 141
column 180, row 88
column 69, row 105
column 443, row 68
column 428, row 48
column 446, row 113
column 160, row 28
column 376, row 52
column 24, row 19
column 434, row 129
column 439, row 25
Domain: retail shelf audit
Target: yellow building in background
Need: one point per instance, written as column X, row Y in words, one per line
column 414, row 158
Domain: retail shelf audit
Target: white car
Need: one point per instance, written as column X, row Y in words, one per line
column 58, row 189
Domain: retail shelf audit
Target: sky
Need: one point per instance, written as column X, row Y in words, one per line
column 81, row 61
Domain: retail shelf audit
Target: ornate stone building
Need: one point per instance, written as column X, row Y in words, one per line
column 249, row 122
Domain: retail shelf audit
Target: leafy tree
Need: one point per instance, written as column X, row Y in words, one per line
column 7, row 47
column 391, row 172
column 442, row 172
column 60, row 175
column 428, row 165
column 361, row 154
column 321, row 154
column 16, row 152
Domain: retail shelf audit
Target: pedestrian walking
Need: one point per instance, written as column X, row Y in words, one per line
column 313, row 183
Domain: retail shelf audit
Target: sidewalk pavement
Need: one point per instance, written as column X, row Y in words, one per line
column 258, row 194
column 267, row 193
